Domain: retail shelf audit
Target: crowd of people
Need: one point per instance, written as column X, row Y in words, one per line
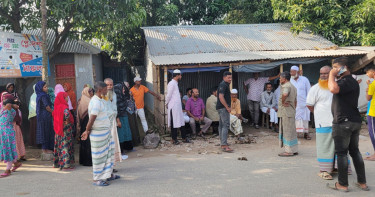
column 99, row 120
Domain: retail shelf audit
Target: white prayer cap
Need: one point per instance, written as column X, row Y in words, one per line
column 137, row 79
column 294, row 68
column 234, row 91
column 176, row 71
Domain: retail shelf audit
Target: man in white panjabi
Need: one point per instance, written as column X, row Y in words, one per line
column 302, row 85
column 174, row 106
column 111, row 106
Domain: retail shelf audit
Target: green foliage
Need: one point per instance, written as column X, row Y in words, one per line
column 344, row 22
column 250, row 12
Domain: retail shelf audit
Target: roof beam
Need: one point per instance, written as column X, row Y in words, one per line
column 364, row 61
column 220, row 64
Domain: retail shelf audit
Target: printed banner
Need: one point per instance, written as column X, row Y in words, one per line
column 20, row 55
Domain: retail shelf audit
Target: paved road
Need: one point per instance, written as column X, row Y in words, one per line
column 191, row 174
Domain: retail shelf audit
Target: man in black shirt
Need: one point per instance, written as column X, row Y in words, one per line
column 346, row 123
column 223, row 107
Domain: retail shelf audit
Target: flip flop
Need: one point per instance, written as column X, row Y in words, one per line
column 335, row 188
column 16, row 167
column 363, row 189
column 113, row 177
column 227, row 149
column 100, row 183
column 286, row 155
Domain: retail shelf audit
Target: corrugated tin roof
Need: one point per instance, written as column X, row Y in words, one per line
column 178, row 40
column 230, row 43
column 205, row 58
column 69, row 46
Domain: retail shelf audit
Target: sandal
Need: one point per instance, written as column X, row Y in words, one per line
column 113, row 177
column 286, row 154
column 363, row 189
column 115, row 171
column 337, row 189
column 175, row 142
column 325, row 175
column 226, row 149
column 100, row 183
column 16, row 167
column 307, row 136
column 186, row 140
column 4, row 175
column 68, row 169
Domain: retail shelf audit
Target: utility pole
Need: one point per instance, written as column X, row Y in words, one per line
column 43, row 9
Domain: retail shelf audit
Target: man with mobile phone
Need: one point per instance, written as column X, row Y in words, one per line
column 346, row 124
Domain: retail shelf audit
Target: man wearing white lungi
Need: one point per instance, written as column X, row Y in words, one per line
column 175, row 114
column 302, row 112
column 111, row 103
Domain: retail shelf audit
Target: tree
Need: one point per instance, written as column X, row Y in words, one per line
column 344, row 23
column 202, row 12
column 250, row 12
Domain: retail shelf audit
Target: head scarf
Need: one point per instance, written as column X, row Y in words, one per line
column 59, row 88
column 39, row 93
column 32, row 104
column 58, row 113
column 83, row 105
column 122, row 103
column 17, row 118
column 72, row 95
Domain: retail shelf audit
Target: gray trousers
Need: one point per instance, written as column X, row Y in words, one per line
column 254, row 110
column 223, row 126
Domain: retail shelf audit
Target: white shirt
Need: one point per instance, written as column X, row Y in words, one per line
column 98, row 107
column 321, row 99
column 303, row 86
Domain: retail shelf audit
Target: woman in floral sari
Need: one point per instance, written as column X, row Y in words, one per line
column 62, row 123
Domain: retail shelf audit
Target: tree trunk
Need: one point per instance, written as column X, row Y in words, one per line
column 43, row 10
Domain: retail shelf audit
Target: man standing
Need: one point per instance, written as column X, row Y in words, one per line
column 211, row 110
column 287, row 113
column 196, row 111
column 223, row 107
column 346, row 123
column 254, row 90
column 319, row 100
column 235, row 114
column 175, row 115
column 269, row 106
column 138, row 91
column 370, row 72
column 302, row 112
column 98, row 129
column 111, row 104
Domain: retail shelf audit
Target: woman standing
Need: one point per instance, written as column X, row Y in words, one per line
column 32, row 119
column 62, row 123
column 9, row 89
column 8, row 152
column 59, row 88
column 20, row 145
column 72, row 96
column 44, row 131
column 85, row 158
column 123, row 127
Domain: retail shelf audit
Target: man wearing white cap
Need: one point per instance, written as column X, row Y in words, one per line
column 302, row 112
column 235, row 114
column 138, row 91
column 175, row 114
